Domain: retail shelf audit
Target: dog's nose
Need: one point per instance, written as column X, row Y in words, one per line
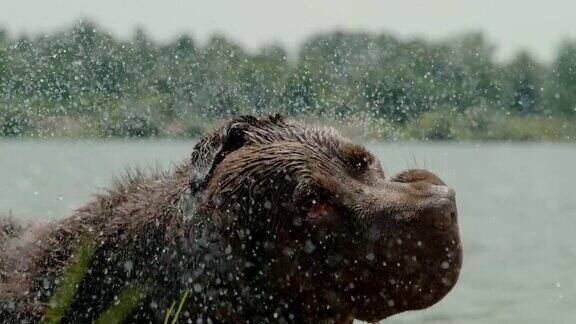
column 442, row 214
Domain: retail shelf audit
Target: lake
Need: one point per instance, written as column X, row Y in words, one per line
column 516, row 202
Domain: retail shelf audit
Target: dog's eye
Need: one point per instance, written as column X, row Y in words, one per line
column 356, row 157
column 321, row 212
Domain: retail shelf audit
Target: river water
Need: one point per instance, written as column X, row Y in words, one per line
column 517, row 209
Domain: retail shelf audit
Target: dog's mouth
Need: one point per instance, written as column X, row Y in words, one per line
column 387, row 284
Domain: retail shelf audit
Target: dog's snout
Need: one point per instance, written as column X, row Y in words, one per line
column 418, row 196
column 442, row 215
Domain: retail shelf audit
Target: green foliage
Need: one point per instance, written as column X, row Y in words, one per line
column 71, row 277
column 176, row 314
column 525, row 79
column 137, row 87
column 479, row 124
column 131, row 122
column 434, row 126
column 564, row 80
column 128, row 299
column 14, row 123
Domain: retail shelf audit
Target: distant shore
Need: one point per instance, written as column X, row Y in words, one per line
column 468, row 126
column 82, row 82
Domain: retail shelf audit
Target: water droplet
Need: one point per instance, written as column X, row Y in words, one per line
column 309, row 247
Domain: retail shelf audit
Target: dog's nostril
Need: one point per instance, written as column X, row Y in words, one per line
column 444, row 216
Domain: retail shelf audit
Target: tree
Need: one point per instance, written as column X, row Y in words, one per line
column 478, row 84
column 523, row 78
column 564, row 80
column 3, row 64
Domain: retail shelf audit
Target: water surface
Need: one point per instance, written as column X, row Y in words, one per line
column 517, row 207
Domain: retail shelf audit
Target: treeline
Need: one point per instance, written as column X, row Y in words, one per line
column 85, row 82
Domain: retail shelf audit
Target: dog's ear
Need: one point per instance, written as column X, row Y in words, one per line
column 212, row 149
column 231, row 136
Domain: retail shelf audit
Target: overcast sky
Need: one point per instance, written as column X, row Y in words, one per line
column 535, row 25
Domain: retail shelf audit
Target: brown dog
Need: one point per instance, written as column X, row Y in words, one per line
column 271, row 221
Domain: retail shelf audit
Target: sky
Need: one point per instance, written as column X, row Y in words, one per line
column 534, row 25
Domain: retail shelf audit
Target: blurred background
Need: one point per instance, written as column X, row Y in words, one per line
column 481, row 92
column 402, row 69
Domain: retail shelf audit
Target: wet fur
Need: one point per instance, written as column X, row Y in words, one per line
column 232, row 234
